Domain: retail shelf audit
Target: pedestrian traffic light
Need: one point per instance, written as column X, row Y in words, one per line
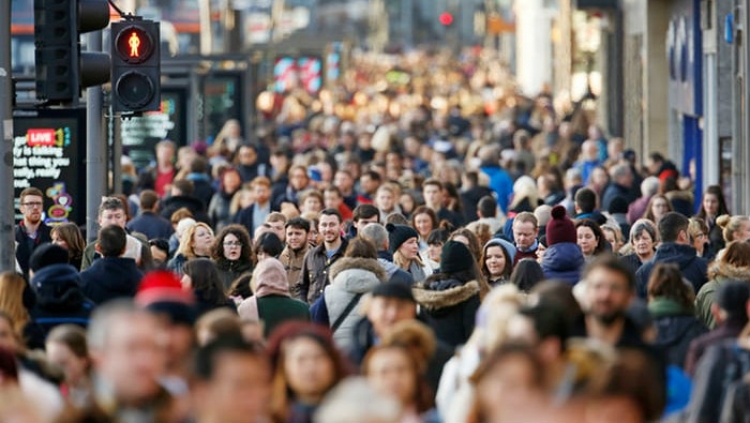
column 446, row 18
column 135, row 66
column 62, row 70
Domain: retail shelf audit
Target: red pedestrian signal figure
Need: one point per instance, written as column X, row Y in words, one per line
column 134, row 41
column 446, row 18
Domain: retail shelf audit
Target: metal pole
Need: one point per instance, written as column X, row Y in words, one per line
column 96, row 148
column 7, row 212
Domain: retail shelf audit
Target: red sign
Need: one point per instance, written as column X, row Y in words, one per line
column 40, row 137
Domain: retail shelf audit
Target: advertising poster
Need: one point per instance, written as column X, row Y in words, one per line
column 49, row 152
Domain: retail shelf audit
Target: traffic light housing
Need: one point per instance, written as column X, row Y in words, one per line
column 62, row 70
column 136, row 68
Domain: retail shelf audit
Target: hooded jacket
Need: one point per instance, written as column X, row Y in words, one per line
column 59, row 298
column 563, row 261
column 721, row 273
column 272, row 302
column 449, row 307
column 676, row 328
column 693, row 268
column 109, row 278
column 350, row 277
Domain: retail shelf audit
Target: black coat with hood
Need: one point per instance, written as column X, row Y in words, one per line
column 59, row 298
column 449, row 307
column 693, row 268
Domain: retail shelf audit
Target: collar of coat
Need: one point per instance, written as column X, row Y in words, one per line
column 435, row 300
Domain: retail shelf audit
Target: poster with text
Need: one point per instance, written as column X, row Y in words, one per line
column 49, row 149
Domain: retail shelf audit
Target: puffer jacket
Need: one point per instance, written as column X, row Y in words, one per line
column 693, row 268
column 563, row 261
column 449, row 307
column 721, row 273
column 676, row 328
column 350, row 277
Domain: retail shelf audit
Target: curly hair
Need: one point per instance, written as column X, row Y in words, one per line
column 217, row 249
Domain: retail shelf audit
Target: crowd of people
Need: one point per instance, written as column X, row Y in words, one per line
column 417, row 244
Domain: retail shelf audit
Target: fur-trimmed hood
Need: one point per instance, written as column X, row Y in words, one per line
column 729, row 271
column 432, row 297
column 349, row 263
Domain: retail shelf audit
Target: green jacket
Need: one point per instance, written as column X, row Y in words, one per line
column 722, row 273
column 274, row 310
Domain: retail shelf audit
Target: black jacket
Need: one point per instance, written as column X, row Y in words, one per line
column 231, row 270
column 693, row 268
column 676, row 328
column 470, row 199
column 727, row 330
column 152, row 225
column 172, row 204
column 59, row 298
column 26, row 245
column 449, row 307
column 109, row 278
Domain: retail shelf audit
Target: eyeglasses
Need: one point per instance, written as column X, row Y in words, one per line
column 33, row 204
column 233, row 244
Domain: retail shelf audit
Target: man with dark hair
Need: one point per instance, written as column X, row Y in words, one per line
column 31, row 232
column 472, row 193
column 231, row 382
column 296, row 247
column 333, row 199
column 254, row 215
column 369, row 183
column 585, row 202
column 676, row 247
column 660, row 167
column 201, row 180
column 487, row 213
column 112, row 276
column 181, row 195
column 314, row 274
column 609, row 291
column 344, row 181
column 620, row 186
column 363, row 215
column 432, row 191
column 148, row 222
column 112, row 212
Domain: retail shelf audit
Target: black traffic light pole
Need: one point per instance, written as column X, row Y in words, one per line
column 7, row 219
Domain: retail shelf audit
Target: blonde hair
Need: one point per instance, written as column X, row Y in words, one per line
column 12, row 286
column 186, row 241
column 731, row 225
column 403, row 262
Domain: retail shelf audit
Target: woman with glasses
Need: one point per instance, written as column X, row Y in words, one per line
column 232, row 253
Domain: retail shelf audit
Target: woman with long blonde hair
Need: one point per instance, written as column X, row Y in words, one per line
column 12, row 286
column 196, row 242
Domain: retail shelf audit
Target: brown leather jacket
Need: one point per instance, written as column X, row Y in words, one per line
column 314, row 277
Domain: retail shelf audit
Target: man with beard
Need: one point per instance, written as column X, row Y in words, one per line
column 293, row 255
column 31, row 232
column 314, row 274
column 609, row 291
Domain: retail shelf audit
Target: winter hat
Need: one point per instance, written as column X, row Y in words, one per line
column 47, row 255
column 560, row 228
column 161, row 292
column 455, row 257
column 396, row 290
column 398, row 234
column 269, row 274
column 732, row 297
column 509, row 248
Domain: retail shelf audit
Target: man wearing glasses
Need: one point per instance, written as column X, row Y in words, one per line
column 31, row 232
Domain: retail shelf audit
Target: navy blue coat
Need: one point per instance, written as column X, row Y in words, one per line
column 109, row 278
column 563, row 261
column 693, row 268
column 152, row 225
column 59, row 299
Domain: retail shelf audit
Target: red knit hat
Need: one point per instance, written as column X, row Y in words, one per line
column 162, row 286
column 560, row 228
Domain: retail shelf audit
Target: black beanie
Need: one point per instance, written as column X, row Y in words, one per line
column 398, row 234
column 455, row 257
column 46, row 255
